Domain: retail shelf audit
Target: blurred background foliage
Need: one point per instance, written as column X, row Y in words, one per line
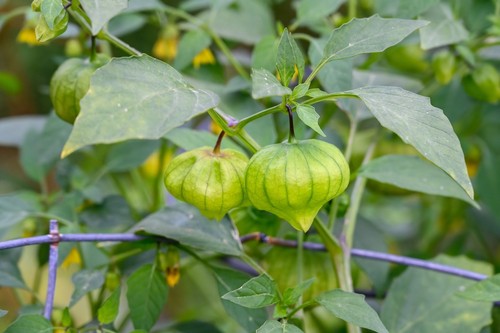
column 455, row 61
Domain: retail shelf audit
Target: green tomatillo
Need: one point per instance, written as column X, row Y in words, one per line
column 293, row 180
column 211, row 180
column 70, row 83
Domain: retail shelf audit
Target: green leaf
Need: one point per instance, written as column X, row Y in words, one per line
column 420, row 124
column 274, row 326
column 488, row 179
column 191, row 43
column 411, row 8
column 244, row 21
column 264, row 53
column 425, row 301
column 311, row 11
column 289, row 58
column 109, row 309
column 146, row 294
column 487, row 290
column 40, row 151
column 352, row 308
column 414, row 174
column 265, row 84
column 100, row 12
column 228, row 280
column 30, row 323
column 300, row 90
column 44, row 33
column 292, row 295
column 308, row 115
column 189, row 139
column 85, row 281
column 15, row 207
column 10, row 275
column 257, row 292
column 367, row 35
column 53, row 12
column 13, row 130
column 121, row 105
column 443, row 29
column 185, row 224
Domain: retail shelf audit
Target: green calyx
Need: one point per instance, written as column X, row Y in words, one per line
column 70, row 83
column 294, row 180
column 214, row 182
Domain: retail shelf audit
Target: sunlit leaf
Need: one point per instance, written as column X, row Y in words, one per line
column 109, row 308
column 289, row 59
column 310, row 117
column 258, row 292
column 265, row 84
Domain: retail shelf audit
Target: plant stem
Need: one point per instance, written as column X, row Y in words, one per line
column 157, row 185
column 300, row 261
column 245, row 121
column 104, row 34
column 291, row 134
column 216, row 150
column 352, row 10
column 248, row 141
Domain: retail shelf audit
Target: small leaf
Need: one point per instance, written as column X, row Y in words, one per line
column 191, row 43
column 258, row 292
column 300, row 90
column 415, row 174
column 367, row 35
column 53, row 12
column 265, row 84
column 100, row 12
column 289, row 59
column 487, row 290
column 420, row 124
column 292, row 295
column 121, row 105
column 30, row 323
column 85, row 281
column 66, row 320
column 44, row 33
column 443, row 28
column 352, row 308
column 228, row 280
column 109, row 308
column 185, row 224
column 146, row 294
column 308, row 115
column 274, row 326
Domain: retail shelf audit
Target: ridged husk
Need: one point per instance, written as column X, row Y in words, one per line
column 70, row 83
column 212, row 182
column 294, row 180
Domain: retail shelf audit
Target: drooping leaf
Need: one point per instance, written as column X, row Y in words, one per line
column 191, row 43
column 53, row 12
column 443, row 29
column 409, row 9
column 30, row 323
column 310, row 11
column 14, row 129
column 420, row 124
column 17, row 206
column 257, row 292
column 85, row 281
column 310, row 117
column 244, row 21
column 289, row 59
column 100, row 12
column 352, row 308
column 487, row 290
column 44, row 33
column 274, row 326
column 265, row 84
column 10, row 275
column 228, row 280
column 414, row 174
column 122, row 105
column 146, row 295
column 425, row 301
column 367, row 35
column 109, row 308
column 184, row 223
